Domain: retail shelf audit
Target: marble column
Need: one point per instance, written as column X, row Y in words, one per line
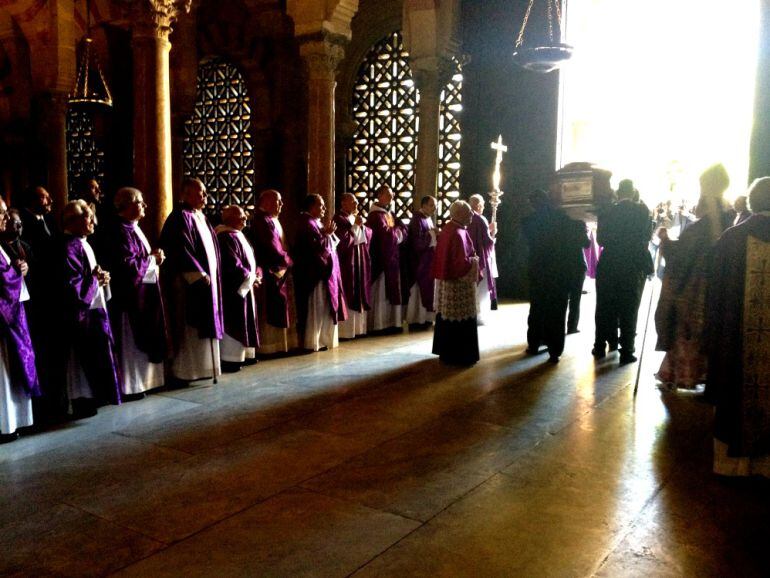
column 152, row 107
column 321, row 59
column 55, row 130
column 428, row 79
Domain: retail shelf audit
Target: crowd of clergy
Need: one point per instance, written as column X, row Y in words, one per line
column 95, row 314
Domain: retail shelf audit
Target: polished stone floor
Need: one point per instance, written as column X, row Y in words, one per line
column 375, row 460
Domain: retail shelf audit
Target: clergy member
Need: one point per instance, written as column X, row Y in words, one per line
column 320, row 298
column 274, row 260
column 387, row 234
column 421, row 244
column 18, row 376
column 456, row 270
column 136, row 307
column 35, row 209
column 355, row 265
column 737, row 341
column 92, row 373
column 192, row 282
column 482, row 234
column 239, row 278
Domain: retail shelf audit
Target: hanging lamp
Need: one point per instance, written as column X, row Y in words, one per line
column 90, row 85
column 546, row 56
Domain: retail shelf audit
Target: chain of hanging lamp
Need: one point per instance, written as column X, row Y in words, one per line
column 545, row 57
column 551, row 7
column 83, row 93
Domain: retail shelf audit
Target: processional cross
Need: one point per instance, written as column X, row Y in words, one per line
column 494, row 196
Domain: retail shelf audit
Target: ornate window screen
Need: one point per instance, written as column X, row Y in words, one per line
column 84, row 156
column 217, row 146
column 384, row 150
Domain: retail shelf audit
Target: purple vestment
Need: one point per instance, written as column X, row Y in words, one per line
column 14, row 331
column 271, row 258
column 420, row 251
column 128, row 261
column 239, row 313
column 454, row 251
column 355, row 264
column 384, row 250
column 186, row 253
column 88, row 329
column 485, row 246
column 315, row 261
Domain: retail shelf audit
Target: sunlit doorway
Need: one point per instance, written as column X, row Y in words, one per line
column 660, row 89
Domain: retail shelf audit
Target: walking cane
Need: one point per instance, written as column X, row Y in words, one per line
column 647, row 321
column 213, row 361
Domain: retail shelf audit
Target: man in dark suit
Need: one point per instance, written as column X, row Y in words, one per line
column 35, row 211
column 624, row 231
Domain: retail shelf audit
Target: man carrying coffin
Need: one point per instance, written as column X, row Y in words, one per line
column 239, row 277
column 387, row 235
column 273, row 258
column 421, row 245
column 355, row 266
column 320, row 300
column 192, row 279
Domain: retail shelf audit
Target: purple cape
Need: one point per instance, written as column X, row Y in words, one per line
column 420, row 255
column 14, row 331
column 128, row 260
column 742, row 420
column 355, row 264
column 186, row 253
column 271, row 257
column 454, row 250
column 384, row 253
column 89, row 329
column 316, row 262
column 484, row 245
column 240, row 317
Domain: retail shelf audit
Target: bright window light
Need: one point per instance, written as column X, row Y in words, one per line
column 658, row 90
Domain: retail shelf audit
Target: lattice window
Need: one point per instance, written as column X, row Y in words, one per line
column 385, row 108
column 217, row 147
column 85, row 159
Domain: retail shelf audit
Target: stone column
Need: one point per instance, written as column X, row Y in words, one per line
column 428, row 82
column 55, row 131
column 321, row 58
column 152, row 106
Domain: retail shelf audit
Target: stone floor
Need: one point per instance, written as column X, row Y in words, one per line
column 375, row 460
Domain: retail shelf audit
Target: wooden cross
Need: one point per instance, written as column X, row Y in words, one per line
column 500, row 148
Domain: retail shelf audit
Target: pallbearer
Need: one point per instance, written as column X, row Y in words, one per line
column 239, row 278
column 192, row 279
column 387, row 234
column 456, row 270
column 421, row 245
column 355, row 265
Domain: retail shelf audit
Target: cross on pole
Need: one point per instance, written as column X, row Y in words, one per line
column 500, row 148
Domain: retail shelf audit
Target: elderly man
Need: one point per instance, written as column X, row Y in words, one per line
column 239, row 278
column 192, row 278
column 387, row 235
column 35, row 210
column 737, row 341
column 273, row 258
column 18, row 376
column 456, row 270
column 421, row 243
column 136, row 309
column 92, row 373
column 483, row 236
column 320, row 300
column 355, row 266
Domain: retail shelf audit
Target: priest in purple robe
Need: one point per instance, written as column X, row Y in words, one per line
column 136, row 308
column 456, row 270
column 92, row 373
column 273, row 258
column 387, row 234
column 320, row 298
column 192, row 278
column 421, row 244
column 482, row 234
column 18, row 376
column 737, row 341
column 240, row 276
column 355, row 265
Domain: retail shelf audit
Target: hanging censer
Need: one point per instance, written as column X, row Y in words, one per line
column 547, row 56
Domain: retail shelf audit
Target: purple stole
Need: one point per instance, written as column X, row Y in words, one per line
column 420, row 256
column 271, row 257
column 484, row 245
column 384, row 253
column 240, row 316
column 355, row 264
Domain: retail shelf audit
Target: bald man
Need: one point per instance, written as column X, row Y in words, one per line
column 239, row 278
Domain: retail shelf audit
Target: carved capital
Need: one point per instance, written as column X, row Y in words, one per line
column 154, row 18
column 323, row 55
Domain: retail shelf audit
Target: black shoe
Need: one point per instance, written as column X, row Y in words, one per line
column 175, row 383
column 8, row 438
column 573, row 331
column 626, row 358
column 83, row 408
column 251, row 361
column 598, row 353
column 553, row 359
column 230, row 366
column 133, row 396
column 613, row 347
